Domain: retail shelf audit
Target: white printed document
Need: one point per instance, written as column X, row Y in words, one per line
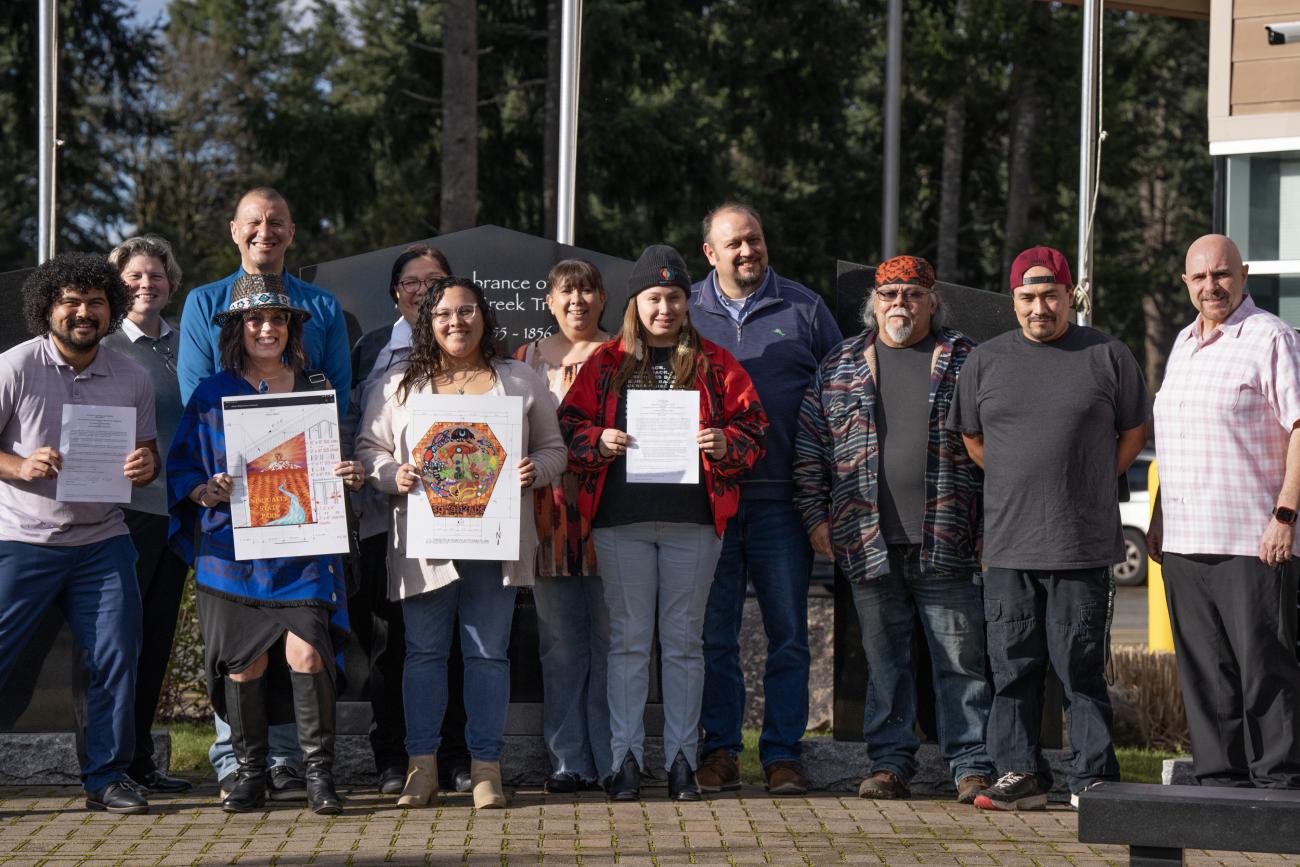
column 466, row 449
column 281, row 450
column 94, row 443
column 663, row 426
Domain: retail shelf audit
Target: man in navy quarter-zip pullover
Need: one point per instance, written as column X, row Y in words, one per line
column 779, row 331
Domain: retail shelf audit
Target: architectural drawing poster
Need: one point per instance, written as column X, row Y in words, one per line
column 466, row 450
column 281, row 450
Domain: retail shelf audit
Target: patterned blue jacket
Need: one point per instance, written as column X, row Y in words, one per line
column 204, row 537
column 837, row 463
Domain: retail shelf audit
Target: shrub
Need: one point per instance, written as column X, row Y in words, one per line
column 1147, row 699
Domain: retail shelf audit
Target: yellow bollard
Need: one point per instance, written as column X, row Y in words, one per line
column 1160, row 635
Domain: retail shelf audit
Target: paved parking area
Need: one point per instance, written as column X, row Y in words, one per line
column 47, row 826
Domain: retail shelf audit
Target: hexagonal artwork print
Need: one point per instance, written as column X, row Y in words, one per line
column 279, row 493
column 459, row 464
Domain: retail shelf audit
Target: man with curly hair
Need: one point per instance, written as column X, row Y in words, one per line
column 76, row 555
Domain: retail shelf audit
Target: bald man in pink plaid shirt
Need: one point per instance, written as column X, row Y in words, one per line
column 1228, row 444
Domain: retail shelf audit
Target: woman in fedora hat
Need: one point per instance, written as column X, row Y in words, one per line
column 266, row 623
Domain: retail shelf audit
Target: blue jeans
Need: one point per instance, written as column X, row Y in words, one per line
column 1036, row 618
column 96, row 589
column 282, row 748
column 765, row 545
column 486, row 609
column 668, row 567
column 573, row 644
column 952, row 616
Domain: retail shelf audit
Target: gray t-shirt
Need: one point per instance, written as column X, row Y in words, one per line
column 1050, row 414
column 903, row 425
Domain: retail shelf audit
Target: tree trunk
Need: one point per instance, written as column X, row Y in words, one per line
column 1020, row 171
column 551, row 144
column 954, row 141
column 459, row 115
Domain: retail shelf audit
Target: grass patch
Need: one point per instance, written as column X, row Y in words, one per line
column 1138, row 765
column 190, row 742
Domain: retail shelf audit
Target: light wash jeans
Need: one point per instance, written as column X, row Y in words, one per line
column 573, row 645
column 952, row 617
column 486, row 609
column 282, row 748
column 644, row 566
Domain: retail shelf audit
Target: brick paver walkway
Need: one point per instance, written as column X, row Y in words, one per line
column 46, row 825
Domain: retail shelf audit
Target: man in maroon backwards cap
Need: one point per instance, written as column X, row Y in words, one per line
column 887, row 490
column 1054, row 412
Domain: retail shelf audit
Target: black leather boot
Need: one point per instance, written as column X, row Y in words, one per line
column 246, row 714
column 625, row 785
column 313, row 707
column 681, row 781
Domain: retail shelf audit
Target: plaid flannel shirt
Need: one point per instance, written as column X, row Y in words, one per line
column 1223, row 417
column 837, row 463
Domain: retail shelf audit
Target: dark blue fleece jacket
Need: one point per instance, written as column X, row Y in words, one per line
column 783, row 335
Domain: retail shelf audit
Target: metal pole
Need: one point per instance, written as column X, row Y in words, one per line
column 1087, row 151
column 47, row 58
column 570, row 64
column 893, row 86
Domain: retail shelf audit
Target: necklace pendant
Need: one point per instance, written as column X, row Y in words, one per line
column 263, row 387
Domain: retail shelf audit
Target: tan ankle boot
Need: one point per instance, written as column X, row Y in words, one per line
column 421, row 782
column 485, row 777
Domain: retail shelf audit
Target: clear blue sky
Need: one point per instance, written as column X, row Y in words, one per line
column 148, row 9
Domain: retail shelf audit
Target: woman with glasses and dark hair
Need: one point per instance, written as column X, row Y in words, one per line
column 273, row 628
column 152, row 277
column 377, row 620
column 452, row 353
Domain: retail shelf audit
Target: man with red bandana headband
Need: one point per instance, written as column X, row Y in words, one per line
column 892, row 495
column 1054, row 412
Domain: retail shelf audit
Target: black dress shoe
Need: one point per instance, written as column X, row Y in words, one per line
column 392, row 779
column 161, row 783
column 625, row 785
column 460, row 780
column 563, row 783
column 284, row 783
column 118, row 797
column 681, row 781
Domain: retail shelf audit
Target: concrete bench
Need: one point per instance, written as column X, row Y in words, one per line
column 1158, row 822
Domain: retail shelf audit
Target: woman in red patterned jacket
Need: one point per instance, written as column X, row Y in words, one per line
column 658, row 543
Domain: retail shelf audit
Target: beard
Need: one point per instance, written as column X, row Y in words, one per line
column 899, row 328
column 66, row 336
column 753, row 282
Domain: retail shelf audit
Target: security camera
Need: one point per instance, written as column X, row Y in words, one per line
column 1282, row 34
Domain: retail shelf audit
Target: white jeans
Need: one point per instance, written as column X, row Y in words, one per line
column 669, row 567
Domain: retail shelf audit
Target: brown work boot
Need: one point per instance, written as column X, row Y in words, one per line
column 718, row 772
column 785, row 778
column 969, row 787
column 883, row 786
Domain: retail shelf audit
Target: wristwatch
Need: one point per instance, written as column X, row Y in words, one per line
column 1285, row 515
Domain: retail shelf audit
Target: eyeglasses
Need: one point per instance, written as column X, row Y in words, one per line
column 911, row 296
column 465, row 312
column 168, row 357
column 411, row 285
column 257, row 320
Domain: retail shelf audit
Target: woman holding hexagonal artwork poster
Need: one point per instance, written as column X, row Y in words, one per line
column 452, row 353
